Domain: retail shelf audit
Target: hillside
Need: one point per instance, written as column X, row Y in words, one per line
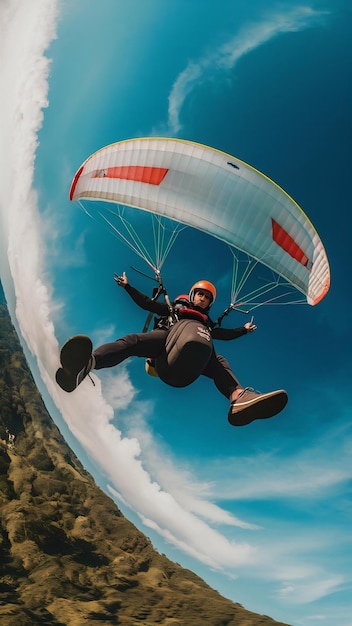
column 68, row 556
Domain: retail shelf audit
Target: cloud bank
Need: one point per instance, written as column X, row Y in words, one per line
column 24, row 78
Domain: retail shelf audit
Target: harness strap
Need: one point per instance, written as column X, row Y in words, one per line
column 193, row 314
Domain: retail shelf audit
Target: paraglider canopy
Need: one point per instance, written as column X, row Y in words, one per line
column 216, row 193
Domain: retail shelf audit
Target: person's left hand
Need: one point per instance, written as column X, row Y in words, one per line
column 250, row 327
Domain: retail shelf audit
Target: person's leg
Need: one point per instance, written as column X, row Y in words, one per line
column 138, row 344
column 218, row 368
column 246, row 404
column 78, row 358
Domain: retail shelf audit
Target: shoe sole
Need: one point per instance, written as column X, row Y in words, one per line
column 74, row 356
column 262, row 408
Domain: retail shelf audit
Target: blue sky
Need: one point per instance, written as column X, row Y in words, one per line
column 262, row 513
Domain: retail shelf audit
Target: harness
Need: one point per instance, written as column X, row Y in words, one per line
column 181, row 312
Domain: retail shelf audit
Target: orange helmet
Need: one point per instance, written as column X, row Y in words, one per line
column 204, row 285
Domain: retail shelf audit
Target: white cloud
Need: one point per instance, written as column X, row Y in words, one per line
column 312, row 473
column 194, row 495
column 255, row 34
column 24, row 81
column 182, row 86
column 190, row 534
column 297, row 593
column 118, row 389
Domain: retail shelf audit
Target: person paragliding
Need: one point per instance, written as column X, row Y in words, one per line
column 181, row 347
column 181, row 184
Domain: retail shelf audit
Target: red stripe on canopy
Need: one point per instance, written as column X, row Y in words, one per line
column 287, row 243
column 138, row 173
column 75, row 181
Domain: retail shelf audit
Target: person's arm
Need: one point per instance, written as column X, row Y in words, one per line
column 143, row 301
column 227, row 334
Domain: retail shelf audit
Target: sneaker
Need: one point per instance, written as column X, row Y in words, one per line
column 76, row 360
column 252, row 405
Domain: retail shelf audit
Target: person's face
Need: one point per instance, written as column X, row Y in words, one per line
column 202, row 298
